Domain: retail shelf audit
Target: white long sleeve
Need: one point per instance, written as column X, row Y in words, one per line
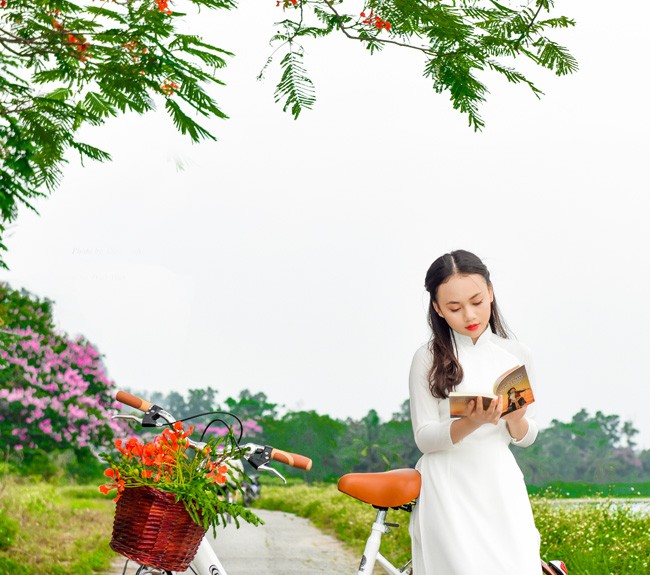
column 431, row 431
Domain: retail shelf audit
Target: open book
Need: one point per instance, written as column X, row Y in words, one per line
column 513, row 385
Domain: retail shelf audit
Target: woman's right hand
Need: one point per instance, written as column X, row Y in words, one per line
column 474, row 417
column 479, row 416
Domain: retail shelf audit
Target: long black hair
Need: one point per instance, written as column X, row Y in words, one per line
column 446, row 372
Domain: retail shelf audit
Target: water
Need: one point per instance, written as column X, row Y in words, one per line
column 642, row 506
column 637, row 505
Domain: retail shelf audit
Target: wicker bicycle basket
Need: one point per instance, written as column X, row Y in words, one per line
column 150, row 527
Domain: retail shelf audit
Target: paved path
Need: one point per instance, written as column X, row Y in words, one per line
column 285, row 544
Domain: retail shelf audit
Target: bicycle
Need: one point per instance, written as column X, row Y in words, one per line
column 395, row 489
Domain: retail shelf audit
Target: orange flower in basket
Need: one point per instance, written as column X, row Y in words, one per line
column 153, row 454
column 217, row 473
column 174, row 440
column 117, row 484
column 132, row 448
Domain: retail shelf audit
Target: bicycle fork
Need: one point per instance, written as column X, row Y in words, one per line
column 206, row 560
column 371, row 554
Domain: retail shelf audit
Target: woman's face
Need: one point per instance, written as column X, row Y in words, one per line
column 464, row 302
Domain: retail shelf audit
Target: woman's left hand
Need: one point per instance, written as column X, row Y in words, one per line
column 516, row 415
column 516, row 423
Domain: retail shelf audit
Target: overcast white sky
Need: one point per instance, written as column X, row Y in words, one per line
column 289, row 257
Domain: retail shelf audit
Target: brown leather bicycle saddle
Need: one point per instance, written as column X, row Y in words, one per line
column 388, row 489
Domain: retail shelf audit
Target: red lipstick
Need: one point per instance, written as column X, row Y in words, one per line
column 473, row 327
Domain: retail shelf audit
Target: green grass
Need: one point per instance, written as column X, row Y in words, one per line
column 62, row 530
column 593, row 538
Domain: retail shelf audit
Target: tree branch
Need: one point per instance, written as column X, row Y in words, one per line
column 343, row 29
column 4, row 45
column 32, row 44
column 530, row 25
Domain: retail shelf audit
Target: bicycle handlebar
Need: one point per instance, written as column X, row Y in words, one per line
column 293, row 459
column 286, row 457
column 133, row 401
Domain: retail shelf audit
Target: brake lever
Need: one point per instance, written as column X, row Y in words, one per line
column 150, row 418
column 272, row 470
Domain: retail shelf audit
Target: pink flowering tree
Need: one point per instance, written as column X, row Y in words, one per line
column 55, row 393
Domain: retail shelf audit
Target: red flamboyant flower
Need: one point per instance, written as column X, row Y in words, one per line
column 217, row 473
column 79, row 42
column 168, row 89
column 163, row 6
column 286, row 3
column 151, row 455
column 375, row 21
column 118, row 483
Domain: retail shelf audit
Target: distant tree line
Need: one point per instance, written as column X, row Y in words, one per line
column 591, row 448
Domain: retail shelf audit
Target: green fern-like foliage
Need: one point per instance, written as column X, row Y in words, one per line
column 69, row 63
column 458, row 40
column 295, row 88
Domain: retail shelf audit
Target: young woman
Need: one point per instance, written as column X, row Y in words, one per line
column 473, row 515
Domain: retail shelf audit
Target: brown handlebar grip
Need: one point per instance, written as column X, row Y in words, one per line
column 293, row 459
column 133, row 401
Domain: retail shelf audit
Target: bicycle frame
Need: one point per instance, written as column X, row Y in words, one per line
column 206, row 561
column 371, row 554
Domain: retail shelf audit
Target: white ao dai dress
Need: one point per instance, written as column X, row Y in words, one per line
column 473, row 516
